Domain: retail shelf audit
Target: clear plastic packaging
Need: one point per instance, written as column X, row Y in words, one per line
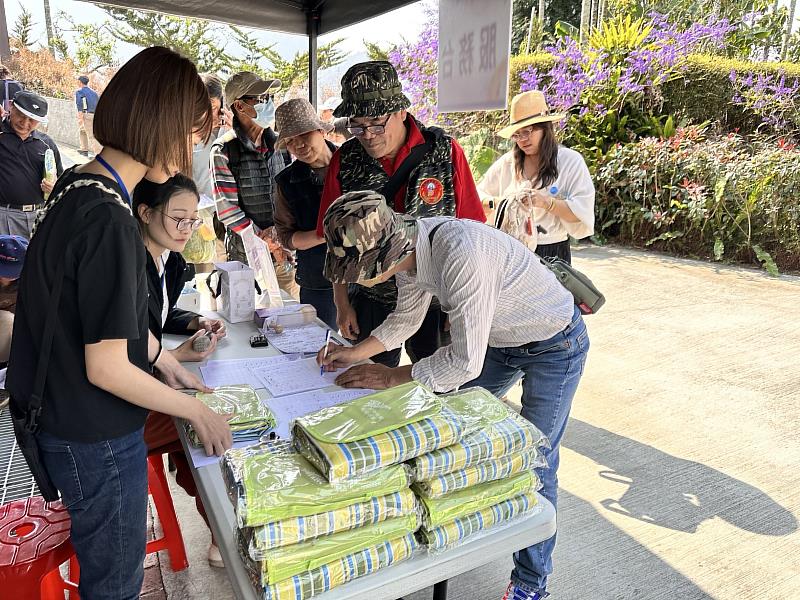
column 281, row 563
column 490, row 470
column 438, row 511
column 477, row 525
column 260, row 540
column 250, row 418
column 271, row 481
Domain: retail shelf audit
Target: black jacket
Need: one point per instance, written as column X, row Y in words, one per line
column 176, row 276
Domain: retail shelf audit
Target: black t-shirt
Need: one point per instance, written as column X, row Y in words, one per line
column 104, row 297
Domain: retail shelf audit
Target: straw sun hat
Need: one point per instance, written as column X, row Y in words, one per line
column 528, row 108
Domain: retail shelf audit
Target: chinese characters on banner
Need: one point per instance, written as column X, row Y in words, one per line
column 474, row 48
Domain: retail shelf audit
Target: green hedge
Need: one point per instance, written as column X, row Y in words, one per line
column 704, row 92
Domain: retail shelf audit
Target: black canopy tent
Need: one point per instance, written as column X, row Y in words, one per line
column 309, row 17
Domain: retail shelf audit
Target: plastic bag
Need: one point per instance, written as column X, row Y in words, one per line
column 249, row 420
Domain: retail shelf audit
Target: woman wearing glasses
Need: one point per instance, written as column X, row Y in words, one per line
column 539, row 172
column 168, row 214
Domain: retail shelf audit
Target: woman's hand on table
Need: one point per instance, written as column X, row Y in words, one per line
column 175, row 375
column 212, row 429
column 186, row 353
column 375, row 377
column 215, row 326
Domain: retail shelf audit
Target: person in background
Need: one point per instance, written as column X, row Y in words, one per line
column 538, row 170
column 439, row 184
column 297, row 200
column 22, row 164
column 167, row 214
column 8, row 89
column 99, row 387
column 203, row 247
column 245, row 163
column 509, row 315
column 338, row 133
column 12, row 258
column 86, row 102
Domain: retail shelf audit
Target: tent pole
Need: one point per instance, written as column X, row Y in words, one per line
column 313, row 22
column 5, row 48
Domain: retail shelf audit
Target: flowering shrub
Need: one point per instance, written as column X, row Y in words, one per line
column 714, row 197
column 773, row 97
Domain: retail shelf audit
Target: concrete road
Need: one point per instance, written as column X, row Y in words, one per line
column 680, row 473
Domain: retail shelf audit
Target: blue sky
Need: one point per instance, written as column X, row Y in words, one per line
column 404, row 22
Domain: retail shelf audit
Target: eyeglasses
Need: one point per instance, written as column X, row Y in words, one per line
column 360, row 130
column 185, row 224
column 523, row 134
column 261, row 98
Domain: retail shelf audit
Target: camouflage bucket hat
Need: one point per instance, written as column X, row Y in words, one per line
column 365, row 237
column 371, row 89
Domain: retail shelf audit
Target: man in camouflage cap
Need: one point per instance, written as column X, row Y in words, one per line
column 419, row 170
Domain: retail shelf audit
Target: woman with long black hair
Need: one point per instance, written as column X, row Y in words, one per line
column 541, row 173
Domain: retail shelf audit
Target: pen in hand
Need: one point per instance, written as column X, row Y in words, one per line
column 325, row 353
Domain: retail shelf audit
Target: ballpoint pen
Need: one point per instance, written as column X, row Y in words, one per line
column 325, row 352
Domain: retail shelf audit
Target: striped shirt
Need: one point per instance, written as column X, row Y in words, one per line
column 495, row 291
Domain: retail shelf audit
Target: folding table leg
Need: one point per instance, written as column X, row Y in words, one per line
column 440, row 590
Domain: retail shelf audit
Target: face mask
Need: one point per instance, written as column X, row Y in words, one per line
column 265, row 113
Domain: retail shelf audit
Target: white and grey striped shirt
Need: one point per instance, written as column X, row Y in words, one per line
column 494, row 290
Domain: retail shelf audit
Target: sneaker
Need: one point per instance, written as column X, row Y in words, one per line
column 215, row 558
column 514, row 592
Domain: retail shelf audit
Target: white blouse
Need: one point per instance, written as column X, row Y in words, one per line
column 573, row 184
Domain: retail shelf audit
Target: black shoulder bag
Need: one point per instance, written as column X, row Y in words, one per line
column 26, row 421
column 400, row 177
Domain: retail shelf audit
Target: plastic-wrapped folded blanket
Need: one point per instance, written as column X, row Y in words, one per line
column 381, row 429
column 507, row 433
column 438, row 511
column 459, row 529
column 337, row 572
column 300, row 529
column 282, row 563
column 490, row 470
column 249, row 420
column 271, row 482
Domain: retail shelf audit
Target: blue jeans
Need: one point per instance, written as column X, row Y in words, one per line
column 322, row 300
column 103, row 485
column 551, row 369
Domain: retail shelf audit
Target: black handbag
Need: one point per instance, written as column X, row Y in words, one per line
column 26, row 420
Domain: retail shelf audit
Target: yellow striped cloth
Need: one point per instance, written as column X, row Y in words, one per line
column 300, row 529
column 512, row 434
column 335, row 573
column 459, row 529
column 490, row 470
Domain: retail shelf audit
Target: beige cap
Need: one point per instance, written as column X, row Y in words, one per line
column 246, row 83
column 296, row 117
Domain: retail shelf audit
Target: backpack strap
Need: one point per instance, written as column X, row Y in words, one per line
column 34, row 409
column 411, row 162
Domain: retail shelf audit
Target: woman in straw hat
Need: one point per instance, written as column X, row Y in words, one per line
column 545, row 176
column 299, row 188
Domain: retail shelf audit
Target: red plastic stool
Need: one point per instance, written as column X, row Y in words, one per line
column 172, row 540
column 34, row 541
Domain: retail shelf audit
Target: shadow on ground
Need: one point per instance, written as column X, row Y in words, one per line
column 672, row 492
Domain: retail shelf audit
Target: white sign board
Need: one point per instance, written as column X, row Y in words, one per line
column 474, row 49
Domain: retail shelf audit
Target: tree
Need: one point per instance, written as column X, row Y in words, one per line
column 48, row 26
column 200, row 41
column 377, row 52
column 789, row 26
column 23, row 28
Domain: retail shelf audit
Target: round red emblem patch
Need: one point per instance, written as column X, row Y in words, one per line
column 431, row 190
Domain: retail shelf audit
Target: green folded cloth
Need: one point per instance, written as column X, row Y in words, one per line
column 438, row 511
column 459, row 529
column 300, row 529
column 337, row 572
column 249, row 417
column 510, row 435
column 281, row 563
column 271, row 481
column 388, row 427
column 490, row 470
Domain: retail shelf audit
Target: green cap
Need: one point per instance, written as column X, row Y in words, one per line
column 365, row 237
column 371, row 89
